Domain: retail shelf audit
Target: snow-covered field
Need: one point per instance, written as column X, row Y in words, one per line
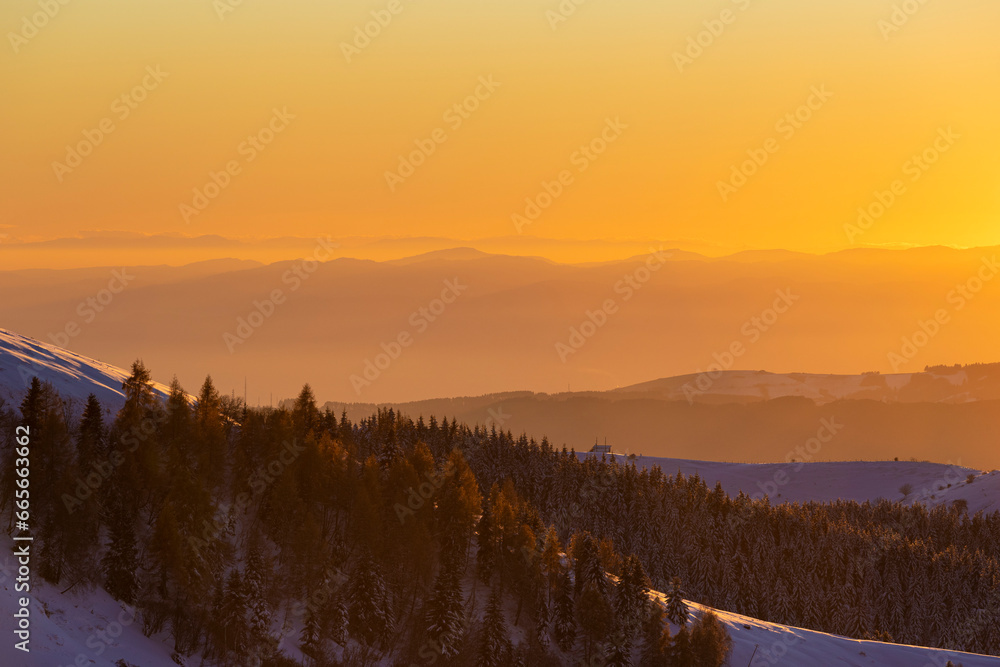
column 820, row 388
column 929, row 483
column 73, row 375
column 784, row 646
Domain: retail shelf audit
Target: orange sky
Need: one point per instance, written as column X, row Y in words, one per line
column 670, row 130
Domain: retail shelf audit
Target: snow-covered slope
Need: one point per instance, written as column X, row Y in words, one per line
column 73, row 375
column 782, row 645
column 923, row 482
column 66, row 626
column 952, row 384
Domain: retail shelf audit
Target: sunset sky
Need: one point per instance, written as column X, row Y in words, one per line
column 610, row 68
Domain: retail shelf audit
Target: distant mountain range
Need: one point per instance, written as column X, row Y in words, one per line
column 948, row 415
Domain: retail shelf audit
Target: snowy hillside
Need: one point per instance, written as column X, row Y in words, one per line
column 929, row 483
column 78, row 628
column 784, row 645
column 73, row 375
column 945, row 384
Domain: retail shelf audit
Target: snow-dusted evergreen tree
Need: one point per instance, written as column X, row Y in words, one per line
column 311, row 637
column 495, row 648
column 121, row 561
column 370, row 616
column 255, row 588
column 543, row 618
column 444, row 616
column 631, row 597
column 677, row 610
column 711, row 645
column 596, row 617
column 564, row 626
column 655, row 638
column 618, row 652
column 232, row 620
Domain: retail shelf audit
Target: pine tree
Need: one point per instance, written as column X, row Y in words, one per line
column 233, row 619
column 121, row 562
column 618, row 652
column 495, row 648
column 681, row 654
column 255, row 587
column 210, row 436
column 310, row 639
column 543, row 619
column 656, row 638
column 587, row 565
column 677, row 610
column 370, row 617
column 444, row 616
column 595, row 615
column 711, row 645
column 631, row 597
column 565, row 614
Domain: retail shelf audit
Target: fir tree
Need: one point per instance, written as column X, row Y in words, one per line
column 370, row 617
column 656, row 638
column 711, row 645
column 495, row 649
column 444, row 616
column 565, row 614
column 677, row 610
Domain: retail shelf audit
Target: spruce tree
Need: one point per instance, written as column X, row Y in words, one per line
column 711, row 645
column 495, row 648
column 370, row 616
column 595, row 616
column 656, row 638
column 565, row 614
column 444, row 615
column 677, row 610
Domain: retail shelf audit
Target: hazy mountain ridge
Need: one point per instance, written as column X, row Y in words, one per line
column 518, row 324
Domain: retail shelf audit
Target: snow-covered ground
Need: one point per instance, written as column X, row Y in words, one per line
column 73, row 375
column 785, row 646
column 929, row 483
column 74, row 629
column 89, row 629
column 820, row 388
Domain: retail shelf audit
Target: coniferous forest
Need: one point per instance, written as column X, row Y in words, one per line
column 262, row 536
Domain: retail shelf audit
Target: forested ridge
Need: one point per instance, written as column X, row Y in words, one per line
column 241, row 533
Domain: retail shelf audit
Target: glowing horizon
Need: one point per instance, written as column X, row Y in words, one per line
column 615, row 117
